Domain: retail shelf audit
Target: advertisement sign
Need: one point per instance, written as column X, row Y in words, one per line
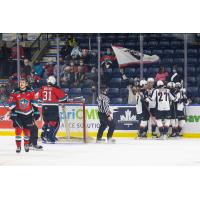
column 124, row 116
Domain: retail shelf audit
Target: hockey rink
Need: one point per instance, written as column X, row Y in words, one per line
column 126, row 152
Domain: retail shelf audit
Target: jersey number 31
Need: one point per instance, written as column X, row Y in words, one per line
column 47, row 96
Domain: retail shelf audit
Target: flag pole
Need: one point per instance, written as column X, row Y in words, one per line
column 99, row 62
column 185, row 60
column 141, row 57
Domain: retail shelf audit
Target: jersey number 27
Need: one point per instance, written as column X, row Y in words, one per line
column 161, row 94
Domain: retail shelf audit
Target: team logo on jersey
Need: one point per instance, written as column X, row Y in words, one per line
column 24, row 103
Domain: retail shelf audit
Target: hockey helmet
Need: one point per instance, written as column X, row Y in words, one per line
column 51, row 80
column 171, row 85
column 150, row 80
column 160, row 83
column 142, row 83
column 178, row 85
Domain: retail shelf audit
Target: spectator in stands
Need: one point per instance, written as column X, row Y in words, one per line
column 26, row 68
column 4, row 63
column 38, row 68
column 162, row 74
column 49, row 70
column 89, row 58
column 73, row 66
column 81, row 64
column 108, row 59
column 79, row 77
column 67, row 49
column 14, row 52
column 67, row 78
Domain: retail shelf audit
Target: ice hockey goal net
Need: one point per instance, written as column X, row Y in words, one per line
column 73, row 122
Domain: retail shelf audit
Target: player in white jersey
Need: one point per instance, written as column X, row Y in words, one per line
column 173, row 105
column 152, row 106
column 162, row 96
column 182, row 101
column 142, row 108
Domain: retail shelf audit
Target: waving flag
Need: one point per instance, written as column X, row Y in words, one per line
column 127, row 57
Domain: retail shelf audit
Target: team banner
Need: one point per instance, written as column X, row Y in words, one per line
column 127, row 57
column 124, row 116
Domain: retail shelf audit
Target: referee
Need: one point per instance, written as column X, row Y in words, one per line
column 105, row 117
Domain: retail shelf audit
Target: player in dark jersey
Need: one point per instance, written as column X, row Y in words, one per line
column 173, row 105
column 21, row 104
column 50, row 96
column 142, row 109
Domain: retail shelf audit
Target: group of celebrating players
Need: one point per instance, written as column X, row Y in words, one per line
column 160, row 105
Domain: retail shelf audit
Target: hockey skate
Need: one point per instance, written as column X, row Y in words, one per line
column 111, row 141
column 155, row 135
column 100, row 140
column 37, row 147
column 44, row 140
column 26, row 148
column 18, row 150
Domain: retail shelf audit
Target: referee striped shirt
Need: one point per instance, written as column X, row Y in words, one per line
column 103, row 104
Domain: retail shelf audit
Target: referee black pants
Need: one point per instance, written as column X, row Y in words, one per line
column 104, row 123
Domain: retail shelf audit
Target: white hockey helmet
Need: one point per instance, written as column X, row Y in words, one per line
column 142, row 83
column 150, row 80
column 178, row 85
column 171, row 85
column 160, row 83
column 51, row 80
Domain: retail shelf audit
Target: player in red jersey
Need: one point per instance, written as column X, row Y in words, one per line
column 21, row 103
column 48, row 95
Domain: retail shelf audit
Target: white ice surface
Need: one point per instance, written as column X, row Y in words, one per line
column 125, row 152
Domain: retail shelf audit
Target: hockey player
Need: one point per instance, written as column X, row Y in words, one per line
column 33, row 143
column 142, row 108
column 21, row 104
column 173, row 106
column 50, row 96
column 182, row 101
column 152, row 106
column 105, row 117
column 162, row 96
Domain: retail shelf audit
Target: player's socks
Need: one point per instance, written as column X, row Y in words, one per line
column 153, row 129
column 18, row 137
column 173, row 134
column 166, row 129
column 161, row 129
column 140, row 133
column 44, row 133
column 179, row 129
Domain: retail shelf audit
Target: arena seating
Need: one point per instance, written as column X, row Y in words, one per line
column 169, row 47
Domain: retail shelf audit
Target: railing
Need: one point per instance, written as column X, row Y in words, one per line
column 38, row 43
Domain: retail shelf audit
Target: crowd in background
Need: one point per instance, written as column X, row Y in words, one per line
column 77, row 67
